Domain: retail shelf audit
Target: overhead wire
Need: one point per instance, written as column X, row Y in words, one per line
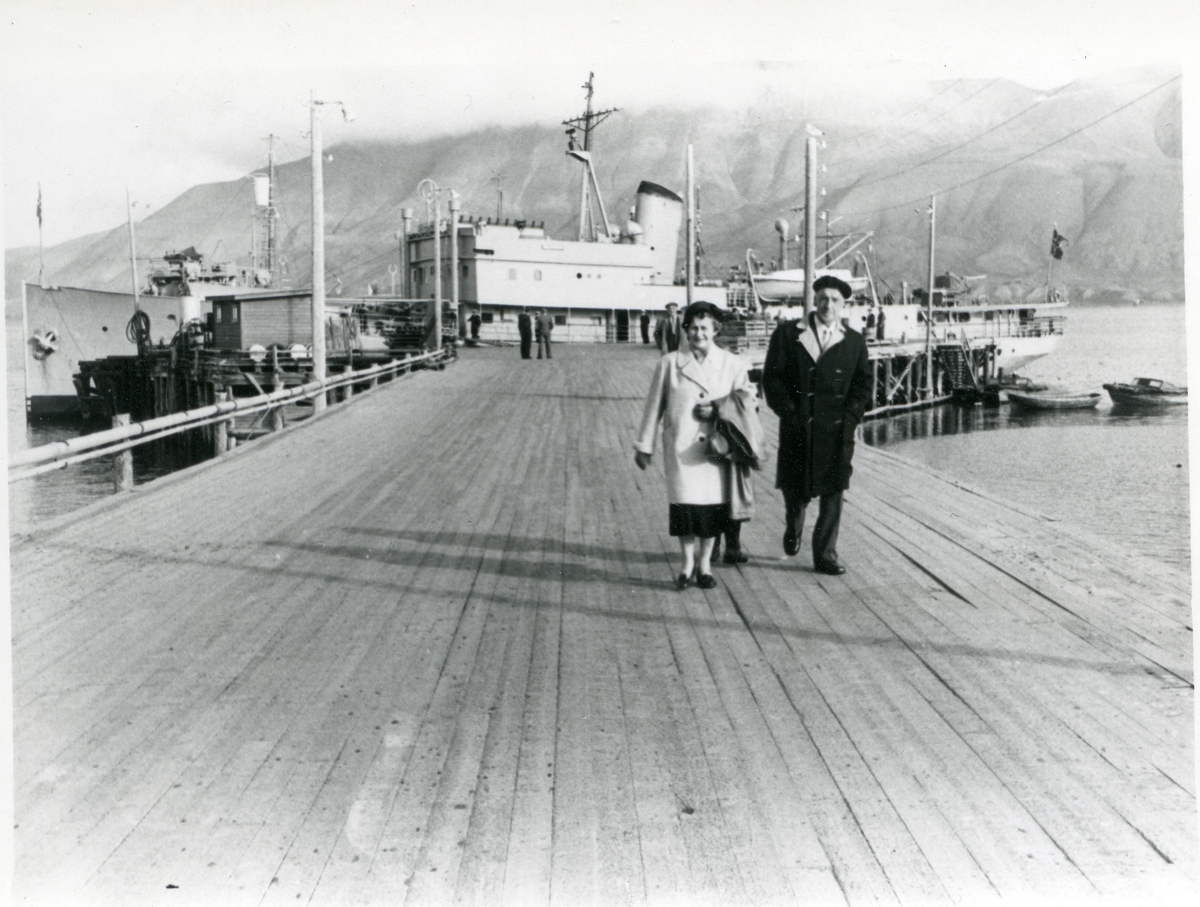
column 973, row 138
column 901, row 116
column 1018, row 160
column 917, row 128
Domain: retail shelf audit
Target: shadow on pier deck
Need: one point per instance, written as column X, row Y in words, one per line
column 427, row 649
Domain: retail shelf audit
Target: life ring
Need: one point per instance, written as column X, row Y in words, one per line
column 44, row 343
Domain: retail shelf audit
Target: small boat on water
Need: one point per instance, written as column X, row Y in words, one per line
column 1053, row 399
column 1147, row 392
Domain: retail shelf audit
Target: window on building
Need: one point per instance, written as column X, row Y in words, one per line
column 560, row 319
column 233, row 312
column 220, row 314
column 486, row 317
column 464, row 267
column 537, row 275
column 512, row 273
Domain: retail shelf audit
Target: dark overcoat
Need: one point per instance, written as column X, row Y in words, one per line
column 820, row 398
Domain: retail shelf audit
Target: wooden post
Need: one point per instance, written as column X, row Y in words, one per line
column 221, row 429
column 123, row 461
column 810, row 224
column 275, row 418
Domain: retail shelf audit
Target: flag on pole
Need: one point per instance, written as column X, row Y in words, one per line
column 1057, row 242
column 39, row 210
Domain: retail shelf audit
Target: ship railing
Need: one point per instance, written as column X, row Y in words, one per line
column 121, row 439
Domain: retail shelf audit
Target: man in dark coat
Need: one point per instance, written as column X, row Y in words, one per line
column 817, row 379
column 542, row 326
column 645, row 327
column 525, row 329
column 668, row 330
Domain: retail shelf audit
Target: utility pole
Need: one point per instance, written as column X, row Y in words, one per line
column 929, row 299
column 318, row 251
column 406, row 290
column 810, row 223
column 432, row 194
column 453, row 251
column 691, row 225
column 132, row 251
column 272, row 214
column 318, row 240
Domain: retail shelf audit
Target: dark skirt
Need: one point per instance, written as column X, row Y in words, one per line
column 703, row 520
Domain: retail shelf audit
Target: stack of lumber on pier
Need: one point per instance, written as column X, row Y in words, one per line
column 426, row 649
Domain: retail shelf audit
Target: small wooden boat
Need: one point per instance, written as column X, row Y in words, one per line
column 1147, row 392
column 1053, row 400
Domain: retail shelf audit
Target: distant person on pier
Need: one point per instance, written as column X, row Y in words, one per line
column 817, row 379
column 543, row 325
column 476, row 321
column 682, row 393
column 645, row 327
column 669, row 330
column 525, row 329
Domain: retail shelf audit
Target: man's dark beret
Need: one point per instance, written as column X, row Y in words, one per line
column 828, row 281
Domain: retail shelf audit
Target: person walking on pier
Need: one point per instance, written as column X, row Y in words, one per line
column 525, row 329
column 685, row 384
column 668, row 330
column 543, row 325
column 817, row 379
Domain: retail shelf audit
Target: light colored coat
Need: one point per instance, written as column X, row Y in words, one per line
column 680, row 382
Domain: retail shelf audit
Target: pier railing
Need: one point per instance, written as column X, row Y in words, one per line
column 122, row 438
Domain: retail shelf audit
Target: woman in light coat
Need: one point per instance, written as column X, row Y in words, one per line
column 686, row 383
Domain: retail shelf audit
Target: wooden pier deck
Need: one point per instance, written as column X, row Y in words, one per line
column 427, row 650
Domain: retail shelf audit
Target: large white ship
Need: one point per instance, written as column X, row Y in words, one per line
column 597, row 286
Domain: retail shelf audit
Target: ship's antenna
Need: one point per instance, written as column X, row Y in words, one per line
column 587, row 122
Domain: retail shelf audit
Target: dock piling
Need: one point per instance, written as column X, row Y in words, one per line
column 122, row 461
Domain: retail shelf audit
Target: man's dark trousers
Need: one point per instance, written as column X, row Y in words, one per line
column 825, row 533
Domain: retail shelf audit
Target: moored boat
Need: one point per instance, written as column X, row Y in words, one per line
column 1054, row 399
column 1147, row 392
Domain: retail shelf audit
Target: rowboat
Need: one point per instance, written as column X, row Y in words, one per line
column 1147, row 392
column 1053, row 400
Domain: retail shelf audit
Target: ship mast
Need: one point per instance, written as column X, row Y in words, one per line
column 582, row 151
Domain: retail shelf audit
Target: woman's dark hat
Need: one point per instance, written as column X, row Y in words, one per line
column 828, row 281
column 700, row 309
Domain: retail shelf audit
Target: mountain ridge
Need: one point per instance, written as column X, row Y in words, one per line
column 1100, row 160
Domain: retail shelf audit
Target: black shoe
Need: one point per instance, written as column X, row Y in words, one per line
column 831, row 568
column 791, row 540
column 735, row 556
column 706, row 581
column 683, row 581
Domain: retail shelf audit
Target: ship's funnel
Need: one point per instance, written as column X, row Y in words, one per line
column 659, row 212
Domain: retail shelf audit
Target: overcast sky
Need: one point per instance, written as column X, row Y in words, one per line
column 157, row 97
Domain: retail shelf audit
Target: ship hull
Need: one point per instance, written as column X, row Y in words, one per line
column 85, row 325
